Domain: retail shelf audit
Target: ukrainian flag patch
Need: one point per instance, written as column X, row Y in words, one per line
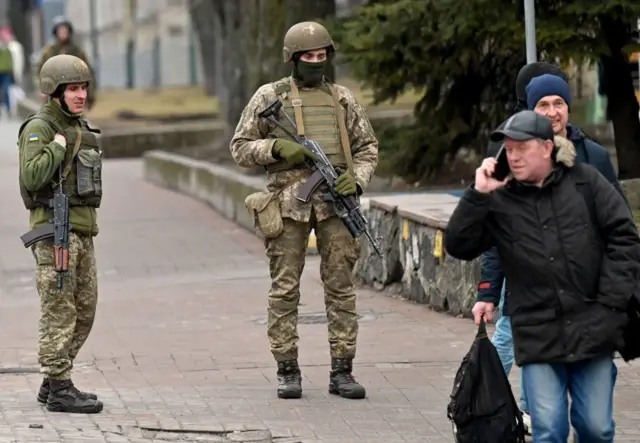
column 34, row 137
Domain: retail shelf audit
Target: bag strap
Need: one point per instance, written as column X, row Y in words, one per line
column 297, row 107
column 344, row 137
column 482, row 329
column 76, row 148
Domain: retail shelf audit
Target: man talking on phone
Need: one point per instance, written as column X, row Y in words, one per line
column 543, row 88
column 570, row 252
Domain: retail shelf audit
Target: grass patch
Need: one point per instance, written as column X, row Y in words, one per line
column 187, row 101
column 365, row 96
column 191, row 101
column 636, row 217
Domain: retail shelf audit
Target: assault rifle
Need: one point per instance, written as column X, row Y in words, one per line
column 347, row 207
column 58, row 228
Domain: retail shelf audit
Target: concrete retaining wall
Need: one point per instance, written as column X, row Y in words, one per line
column 220, row 187
column 416, row 266
column 409, row 226
column 134, row 142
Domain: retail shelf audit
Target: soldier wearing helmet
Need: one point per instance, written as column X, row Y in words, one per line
column 56, row 144
column 62, row 31
column 329, row 114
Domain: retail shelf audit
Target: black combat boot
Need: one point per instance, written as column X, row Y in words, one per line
column 342, row 382
column 64, row 397
column 43, row 393
column 289, row 379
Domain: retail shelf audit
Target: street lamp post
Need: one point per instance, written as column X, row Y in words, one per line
column 530, row 30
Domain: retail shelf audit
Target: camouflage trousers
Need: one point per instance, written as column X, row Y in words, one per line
column 66, row 315
column 338, row 254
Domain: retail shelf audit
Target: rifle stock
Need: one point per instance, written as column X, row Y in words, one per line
column 310, row 186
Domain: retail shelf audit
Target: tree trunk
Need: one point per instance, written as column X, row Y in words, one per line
column 622, row 104
column 265, row 27
column 201, row 13
column 311, row 10
column 18, row 19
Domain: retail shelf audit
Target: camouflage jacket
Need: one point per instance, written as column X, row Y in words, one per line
column 250, row 147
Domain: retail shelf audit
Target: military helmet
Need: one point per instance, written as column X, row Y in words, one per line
column 61, row 70
column 60, row 21
column 306, row 36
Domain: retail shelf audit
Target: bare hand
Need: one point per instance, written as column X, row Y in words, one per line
column 482, row 309
column 60, row 139
column 484, row 182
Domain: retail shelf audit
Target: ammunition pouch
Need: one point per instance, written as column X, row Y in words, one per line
column 265, row 210
column 89, row 173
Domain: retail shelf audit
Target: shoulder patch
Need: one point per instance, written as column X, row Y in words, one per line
column 33, row 137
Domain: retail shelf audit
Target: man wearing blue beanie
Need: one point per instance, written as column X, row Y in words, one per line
column 549, row 95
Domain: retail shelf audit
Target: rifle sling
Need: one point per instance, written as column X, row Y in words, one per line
column 297, row 107
column 344, row 137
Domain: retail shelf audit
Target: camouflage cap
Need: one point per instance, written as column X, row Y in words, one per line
column 306, row 36
column 61, row 70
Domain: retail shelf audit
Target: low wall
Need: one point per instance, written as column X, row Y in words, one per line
column 416, row 266
column 408, row 224
column 224, row 189
column 221, row 188
column 134, row 142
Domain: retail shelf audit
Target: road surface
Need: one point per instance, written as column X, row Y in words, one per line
column 179, row 342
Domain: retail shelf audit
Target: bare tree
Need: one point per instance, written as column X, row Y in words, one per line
column 18, row 17
column 201, row 13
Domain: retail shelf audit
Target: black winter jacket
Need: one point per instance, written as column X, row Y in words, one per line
column 570, row 282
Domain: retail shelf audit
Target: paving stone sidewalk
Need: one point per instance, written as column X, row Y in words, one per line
column 179, row 349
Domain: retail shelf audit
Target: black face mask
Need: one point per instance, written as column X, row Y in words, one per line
column 309, row 74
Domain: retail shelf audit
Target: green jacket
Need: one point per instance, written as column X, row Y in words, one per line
column 40, row 157
column 6, row 61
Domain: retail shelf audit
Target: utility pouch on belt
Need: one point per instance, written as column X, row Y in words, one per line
column 265, row 209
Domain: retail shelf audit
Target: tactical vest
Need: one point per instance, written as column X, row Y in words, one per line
column 316, row 117
column 81, row 167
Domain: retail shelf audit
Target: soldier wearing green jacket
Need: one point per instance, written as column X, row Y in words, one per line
column 57, row 140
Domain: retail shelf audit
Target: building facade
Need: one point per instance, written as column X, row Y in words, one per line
column 136, row 43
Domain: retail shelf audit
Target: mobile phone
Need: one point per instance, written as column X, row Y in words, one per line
column 502, row 166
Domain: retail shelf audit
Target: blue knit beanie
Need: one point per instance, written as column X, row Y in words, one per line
column 545, row 85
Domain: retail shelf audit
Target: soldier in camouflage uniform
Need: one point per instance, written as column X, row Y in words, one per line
column 63, row 43
column 329, row 114
column 54, row 139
